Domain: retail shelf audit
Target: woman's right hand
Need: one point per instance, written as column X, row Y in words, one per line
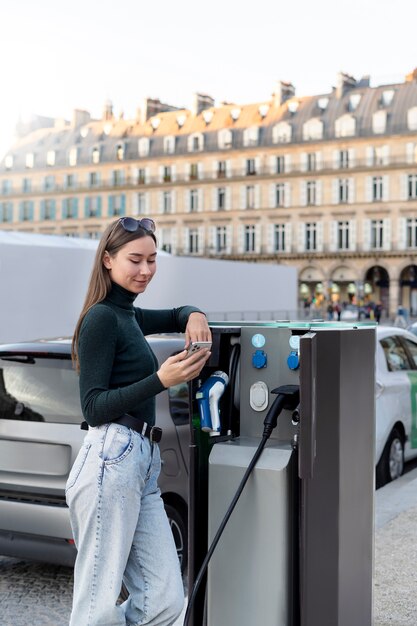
column 181, row 368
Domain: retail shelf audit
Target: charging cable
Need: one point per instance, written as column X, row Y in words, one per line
column 288, row 398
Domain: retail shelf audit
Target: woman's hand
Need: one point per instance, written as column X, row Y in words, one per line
column 197, row 329
column 181, row 368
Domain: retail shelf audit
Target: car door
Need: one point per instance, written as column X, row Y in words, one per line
column 392, row 389
column 410, row 346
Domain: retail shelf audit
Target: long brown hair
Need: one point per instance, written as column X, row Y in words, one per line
column 112, row 240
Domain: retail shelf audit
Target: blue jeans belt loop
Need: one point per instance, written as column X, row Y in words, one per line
column 154, row 433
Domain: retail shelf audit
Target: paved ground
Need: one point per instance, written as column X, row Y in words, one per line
column 34, row 594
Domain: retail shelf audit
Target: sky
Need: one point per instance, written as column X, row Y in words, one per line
column 56, row 56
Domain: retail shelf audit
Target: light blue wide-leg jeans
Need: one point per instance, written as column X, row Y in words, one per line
column 122, row 533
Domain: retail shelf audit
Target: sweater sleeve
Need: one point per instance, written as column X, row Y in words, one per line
column 164, row 320
column 96, row 350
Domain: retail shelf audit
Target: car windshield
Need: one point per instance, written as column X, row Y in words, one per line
column 41, row 390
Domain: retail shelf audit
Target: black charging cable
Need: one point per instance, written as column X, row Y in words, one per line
column 288, row 398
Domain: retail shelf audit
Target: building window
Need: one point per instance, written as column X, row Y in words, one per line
column 30, row 160
column 69, row 208
column 193, row 200
column 249, row 197
column 377, row 234
column 169, row 145
column 8, row 162
column 377, row 189
column 72, row 157
column 311, row 190
column 251, row 136
column 279, row 237
column 141, row 203
column 311, row 161
column 221, row 169
column 313, row 129
column 95, row 155
column 93, row 179
column 343, row 158
column 250, row 167
column 6, row 186
column 166, row 202
column 280, row 165
column 94, row 209
column 193, row 171
column 412, row 232
column 48, row 183
column 311, row 236
column 50, row 158
column 26, row 185
column 343, row 190
column 345, row 126
column 221, row 198
column 343, row 235
column 224, row 138
column 141, row 177
column 69, row 181
column 281, row 133
column 143, row 146
column 249, row 240
column 117, row 178
column 195, row 143
column 166, row 174
column 193, row 241
column 6, row 211
column 412, row 187
column 48, row 212
column 120, row 152
column 221, row 239
column 116, row 205
column 280, row 194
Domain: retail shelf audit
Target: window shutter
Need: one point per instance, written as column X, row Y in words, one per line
column 258, row 165
column 200, row 170
column 403, row 186
column 287, row 163
column 200, row 200
column 335, row 191
column 270, row 229
column 385, row 188
column 241, row 238
column 173, row 173
column 65, row 207
column 319, row 160
column 201, row 242
column 243, row 167
column 258, row 238
column 385, row 155
column 174, row 240
column 288, row 237
column 10, row 211
column 174, row 201
column 333, row 236
column 186, row 244
column 410, row 152
column 368, row 189
column 301, row 237
column 303, row 161
column 352, row 234
column 98, row 206
column 272, row 164
column 303, row 193
column 319, row 192
column 147, row 174
column 335, row 159
column 366, row 234
column 287, row 196
column 122, row 203
column 21, row 211
column 161, row 202
column 243, row 197
column 42, row 210
column 87, row 204
column 257, row 197
column 352, row 157
column 351, row 190
column 228, row 198
column 212, row 238
column 272, row 196
column 319, row 236
column 110, row 205
column 148, row 203
column 228, row 168
column 229, row 238
column 215, row 168
column 161, row 174
column 402, row 233
column 75, row 206
column 214, row 198
column 387, row 234
column 187, row 200
column 369, row 155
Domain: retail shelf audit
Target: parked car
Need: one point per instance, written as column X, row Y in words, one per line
column 396, row 401
column 40, row 435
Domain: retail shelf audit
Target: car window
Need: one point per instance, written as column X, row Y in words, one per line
column 395, row 354
column 412, row 350
column 40, row 390
column 179, row 403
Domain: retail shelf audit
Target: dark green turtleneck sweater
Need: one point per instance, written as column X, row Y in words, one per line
column 117, row 366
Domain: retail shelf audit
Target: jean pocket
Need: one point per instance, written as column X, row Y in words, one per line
column 117, row 444
column 78, row 466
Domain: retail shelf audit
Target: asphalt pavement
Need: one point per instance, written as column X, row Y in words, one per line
column 34, row 594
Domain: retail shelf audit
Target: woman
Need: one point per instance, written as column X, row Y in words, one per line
column 117, row 515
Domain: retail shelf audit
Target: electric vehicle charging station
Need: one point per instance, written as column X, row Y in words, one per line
column 298, row 548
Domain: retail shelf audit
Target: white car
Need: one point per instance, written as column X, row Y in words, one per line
column 396, row 402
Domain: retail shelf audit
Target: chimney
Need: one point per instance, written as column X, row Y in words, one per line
column 107, row 111
column 343, row 83
column 282, row 92
column 201, row 102
column 153, row 106
column 79, row 118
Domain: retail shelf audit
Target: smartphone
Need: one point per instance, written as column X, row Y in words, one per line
column 197, row 345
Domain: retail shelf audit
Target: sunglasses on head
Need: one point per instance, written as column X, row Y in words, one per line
column 131, row 224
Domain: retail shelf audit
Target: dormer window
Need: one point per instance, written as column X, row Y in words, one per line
column 72, row 157
column 120, row 152
column 8, row 162
column 387, row 97
column 281, row 133
column 30, row 160
column 322, row 103
column 208, row 116
column 251, row 136
column 263, row 110
column 293, row 106
column 313, row 129
column 155, row 122
column 412, row 118
column 225, row 138
column 50, row 158
column 169, row 145
column 354, row 100
column 95, row 155
column 143, row 146
column 345, row 126
column 379, row 122
column 195, row 142
column 235, row 114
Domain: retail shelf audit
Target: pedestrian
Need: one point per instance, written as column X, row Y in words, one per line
column 117, row 514
column 330, row 311
column 378, row 312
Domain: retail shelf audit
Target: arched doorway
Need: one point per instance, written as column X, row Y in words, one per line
column 311, row 289
column 343, row 284
column 408, row 288
column 376, row 287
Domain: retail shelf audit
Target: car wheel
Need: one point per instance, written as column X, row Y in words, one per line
column 391, row 463
column 179, row 530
